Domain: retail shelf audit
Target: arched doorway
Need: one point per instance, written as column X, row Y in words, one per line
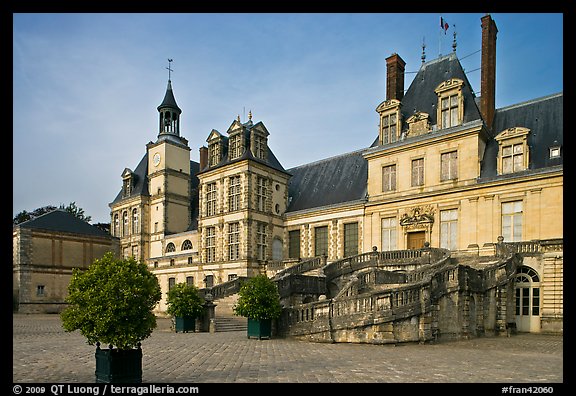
column 528, row 300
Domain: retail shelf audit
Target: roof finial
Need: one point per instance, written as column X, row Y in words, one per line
column 238, row 119
column 250, row 115
column 169, row 69
column 423, row 51
column 454, row 40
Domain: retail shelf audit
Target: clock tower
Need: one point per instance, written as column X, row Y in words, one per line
column 168, row 176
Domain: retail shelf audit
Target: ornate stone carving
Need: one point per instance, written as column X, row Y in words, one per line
column 418, row 217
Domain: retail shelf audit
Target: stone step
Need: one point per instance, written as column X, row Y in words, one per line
column 230, row 323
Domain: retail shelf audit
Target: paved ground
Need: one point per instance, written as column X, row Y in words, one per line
column 43, row 352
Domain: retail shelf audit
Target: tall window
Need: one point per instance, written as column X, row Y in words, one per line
column 449, row 111
column 210, row 244
column 389, row 129
column 234, row 241
column 277, row 248
column 449, row 229
column 294, row 244
column 190, row 281
column 418, row 172
column 211, row 199
column 234, row 193
column 214, row 153
column 261, row 241
column 512, row 221
column 135, row 221
column 321, row 241
column 350, row 239
column 449, row 165
column 389, row 178
column 235, row 146
column 125, row 223
column 513, row 158
column 116, row 226
column 171, row 283
column 261, row 193
column 389, row 234
column 259, row 146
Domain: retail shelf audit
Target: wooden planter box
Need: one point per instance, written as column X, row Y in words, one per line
column 184, row 324
column 259, row 328
column 118, row 365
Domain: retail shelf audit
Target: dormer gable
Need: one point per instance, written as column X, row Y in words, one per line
column 513, row 150
column 215, row 142
column 128, row 181
column 390, row 121
column 418, row 123
column 450, row 109
column 259, row 141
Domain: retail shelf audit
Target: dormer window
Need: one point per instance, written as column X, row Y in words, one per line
column 214, row 148
column 127, row 182
column 390, row 121
column 259, row 146
column 555, row 150
column 513, row 152
column 418, row 123
column 450, row 103
column 236, row 148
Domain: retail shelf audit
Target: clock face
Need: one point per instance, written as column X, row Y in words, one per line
column 156, row 159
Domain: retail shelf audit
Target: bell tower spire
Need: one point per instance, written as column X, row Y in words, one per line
column 169, row 112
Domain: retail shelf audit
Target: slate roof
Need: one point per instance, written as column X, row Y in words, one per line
column 169, row 100
column 270, row 161
column 60, row 220
column 420, row 96
column 328, row 182
column 544, row 117
column 140, row 187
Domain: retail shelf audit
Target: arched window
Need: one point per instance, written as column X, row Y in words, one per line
column 186, row 245
column 135, row 221
column 170, row 248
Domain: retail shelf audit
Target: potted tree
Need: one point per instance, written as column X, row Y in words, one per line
column 259, row 301
column 185, row 305
column 111, row 302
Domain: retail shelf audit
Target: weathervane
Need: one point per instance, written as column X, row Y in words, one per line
column 169, row 69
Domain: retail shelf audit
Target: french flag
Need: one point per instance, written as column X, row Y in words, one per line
column 444, row 25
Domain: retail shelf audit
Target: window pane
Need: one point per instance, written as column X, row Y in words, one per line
column 507, row 165
column 294, row 244
column 350, row 239
column 453, row 100
column 525, row 300
column 536, row 301
column 321, row 241
column 454, row 116
column 507, row 150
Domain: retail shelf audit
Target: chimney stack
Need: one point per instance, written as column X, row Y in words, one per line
column 395, row 77
column 203, row 157
column 488, row 70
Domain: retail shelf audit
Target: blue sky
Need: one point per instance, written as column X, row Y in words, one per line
column 86, row 86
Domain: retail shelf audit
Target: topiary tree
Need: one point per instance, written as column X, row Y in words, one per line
column 111, row 302
column 185, row 301
column 258, row 299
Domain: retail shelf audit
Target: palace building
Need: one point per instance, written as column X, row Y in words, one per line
column 446, row 170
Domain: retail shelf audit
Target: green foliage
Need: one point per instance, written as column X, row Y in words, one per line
column 112, row 301
column 258, row 299
column 184, row 300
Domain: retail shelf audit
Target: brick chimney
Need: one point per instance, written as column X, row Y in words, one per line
column 488, row 70
column 203, row 157
column 395, row 77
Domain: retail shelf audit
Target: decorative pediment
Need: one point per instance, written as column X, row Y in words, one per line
column 418, row 123
column 260, row 128
column 236, row 126
column 419, row 216
column 513, row 132
column 418, row 116
column 388, row 105
column 127, row 173
column 453, row 83
column 214, row 135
